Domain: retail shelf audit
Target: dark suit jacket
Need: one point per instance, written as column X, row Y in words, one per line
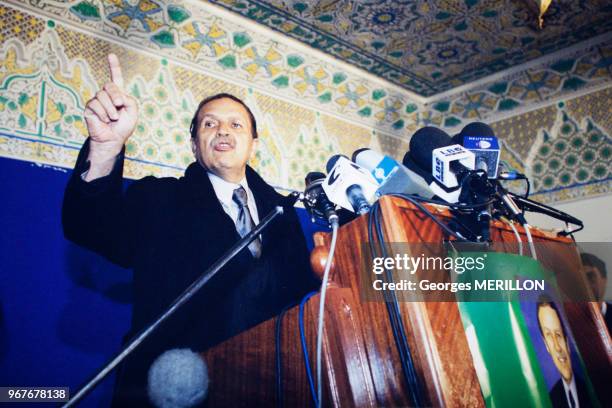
column 169, row 231
column 558, row 399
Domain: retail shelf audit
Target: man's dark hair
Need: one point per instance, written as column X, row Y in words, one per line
column 544, row 301
column 595, row 262
column 195, row 123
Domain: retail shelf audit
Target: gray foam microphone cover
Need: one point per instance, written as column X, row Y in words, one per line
column 178, row 378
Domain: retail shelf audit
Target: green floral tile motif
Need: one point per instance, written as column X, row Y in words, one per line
column 164, row 39
column 192, row 33
column 539, row 84
column 241, row 39
column 464, row 41
column 86, row 10
column 281, row 82
column 38, row 102
column 177, row 14
column 569, row 155
column 294, row 61
column 41, row 98
column 228, row 62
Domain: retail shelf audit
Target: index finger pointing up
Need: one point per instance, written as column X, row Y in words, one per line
column 115, row 70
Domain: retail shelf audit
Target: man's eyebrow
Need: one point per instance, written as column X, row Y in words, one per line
column 232, row 117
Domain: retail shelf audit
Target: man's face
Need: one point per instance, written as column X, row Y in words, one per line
column 555, row 341
column 224, row 141
column 596, row 281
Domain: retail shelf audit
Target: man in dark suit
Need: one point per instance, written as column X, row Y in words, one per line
column 597, row 276
column 170, row 230
column 570, row 391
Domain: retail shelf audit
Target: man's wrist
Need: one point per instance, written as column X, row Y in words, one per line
column 101, row 160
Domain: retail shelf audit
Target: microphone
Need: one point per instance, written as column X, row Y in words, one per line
column 422, row 143
column 534, row 206
column 315, row 199
column 419, row 160
column 348, row 185
column 177, row 378
column 480, row 139
column 451, row 164
column 391, row 176
column 450, row 170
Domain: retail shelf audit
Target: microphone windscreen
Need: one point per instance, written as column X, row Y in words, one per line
column 457, row 139
column 477, row 129
column 332, row 161
column 177, row 378
column 369, row 159
column 313, row 176
column 423, row 142
column 356, row 153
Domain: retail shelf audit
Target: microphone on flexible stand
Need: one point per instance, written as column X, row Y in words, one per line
column 349, row 185
column 315, row 200
column 391, row 176
column 480, row 139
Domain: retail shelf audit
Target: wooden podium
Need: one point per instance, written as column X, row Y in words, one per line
column 361, row 362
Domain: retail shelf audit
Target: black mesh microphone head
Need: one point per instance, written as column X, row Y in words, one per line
column 423, row 142
column 457, row 139
column 332, row 161
column 476, row 129
column 356, row 153
column 313, row 176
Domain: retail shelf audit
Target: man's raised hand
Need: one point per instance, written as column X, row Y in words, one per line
column 111, row 115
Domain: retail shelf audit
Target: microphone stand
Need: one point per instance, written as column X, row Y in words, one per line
column 534, row 206
column 178, row 302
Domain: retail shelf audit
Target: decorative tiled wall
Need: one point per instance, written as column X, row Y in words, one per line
column 430, row 47
column 173, row 53
column 565, row 149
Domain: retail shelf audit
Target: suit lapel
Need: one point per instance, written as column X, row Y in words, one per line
column 203, row 198
column 266, row 198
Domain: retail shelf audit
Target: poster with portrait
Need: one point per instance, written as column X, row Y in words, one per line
column 557, row 353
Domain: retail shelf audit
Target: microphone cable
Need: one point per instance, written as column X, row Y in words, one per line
column 516, row 234
column 527, row 228
column 391, row 301
column 395, row 318
column 305, row 347
column 328, row 263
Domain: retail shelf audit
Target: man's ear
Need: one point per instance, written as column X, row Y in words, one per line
column 193, row 145
column 254, row 148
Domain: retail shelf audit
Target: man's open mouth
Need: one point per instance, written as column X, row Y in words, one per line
column 223, row 145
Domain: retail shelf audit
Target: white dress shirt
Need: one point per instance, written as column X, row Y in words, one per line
column 571, row 387
column 224, row 191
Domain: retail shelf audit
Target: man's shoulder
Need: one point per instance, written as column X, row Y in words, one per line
column 153, row 188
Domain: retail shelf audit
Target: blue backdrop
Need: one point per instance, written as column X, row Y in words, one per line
column 63, row 309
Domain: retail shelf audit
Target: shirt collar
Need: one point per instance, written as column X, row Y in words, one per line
column 225, row 189
column 571, row 387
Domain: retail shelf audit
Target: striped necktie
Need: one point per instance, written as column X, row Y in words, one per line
column 244, row 223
